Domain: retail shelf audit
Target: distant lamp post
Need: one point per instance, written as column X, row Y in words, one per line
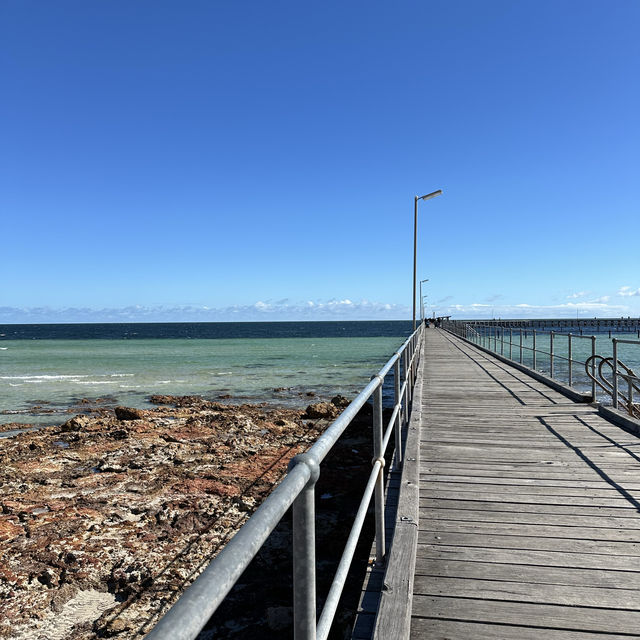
column 422, row 299
column 415, row 243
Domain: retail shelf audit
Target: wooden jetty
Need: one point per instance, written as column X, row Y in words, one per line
column 622, row 325
column 518, row 515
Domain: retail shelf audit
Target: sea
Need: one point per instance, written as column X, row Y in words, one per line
column 48, row 371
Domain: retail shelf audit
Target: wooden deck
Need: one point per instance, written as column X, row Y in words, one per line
column 529, row 522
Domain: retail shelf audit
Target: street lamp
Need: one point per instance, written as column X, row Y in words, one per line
column 415, row 243
column 422, row 299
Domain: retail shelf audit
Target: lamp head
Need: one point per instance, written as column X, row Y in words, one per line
column 431, row 195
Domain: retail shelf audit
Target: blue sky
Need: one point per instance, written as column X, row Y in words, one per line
column 258, row 160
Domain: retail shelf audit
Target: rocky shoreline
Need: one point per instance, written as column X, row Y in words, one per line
column 108, row 517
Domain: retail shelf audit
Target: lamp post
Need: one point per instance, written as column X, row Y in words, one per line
column 422, row 299
column 415, row 244
column 424, row 307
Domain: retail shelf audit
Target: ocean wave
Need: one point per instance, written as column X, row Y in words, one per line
column 162, row 382
column 95, row 382
column 44, row 377
column 122, row 375
column 3, row 348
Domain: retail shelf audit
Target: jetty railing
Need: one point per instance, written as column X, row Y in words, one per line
column 543, row 346
column 193, row 609
column 500, row 339
column 618, row 370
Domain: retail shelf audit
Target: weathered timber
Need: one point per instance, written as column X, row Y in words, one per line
column 394, row 613
column 529, row 507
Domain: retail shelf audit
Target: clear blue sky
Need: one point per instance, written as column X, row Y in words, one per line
column 260, row 159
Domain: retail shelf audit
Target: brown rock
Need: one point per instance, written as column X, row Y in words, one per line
column 340, row 401
column 324, row 410
column 77, row 423
column 128, row 413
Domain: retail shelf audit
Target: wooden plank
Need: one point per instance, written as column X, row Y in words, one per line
column 528, row 506
column 542, row 616
column 557, row 558
column 530, row 574
column 496, row 541
column 531, row 530
column 434, row 629
column 527, row 496
column 525, row 518
column 394, row 610
column 621, row 510
column 526, row 591
column 605, row 491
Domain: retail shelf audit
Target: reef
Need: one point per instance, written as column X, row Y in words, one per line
column 107, row 518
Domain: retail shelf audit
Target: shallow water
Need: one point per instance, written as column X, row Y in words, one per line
column 55, row 374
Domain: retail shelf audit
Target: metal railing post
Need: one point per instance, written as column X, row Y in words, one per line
column 594, row 386
column 378, row 455
column 570, row 363
column 534, row 350
column 405, row 368
column 304, row 554
column 510, row 343
column 630, row 396
column 399, row 420
column 551, row 354
column 520, row 346
column 615, row 373
column 501, row 341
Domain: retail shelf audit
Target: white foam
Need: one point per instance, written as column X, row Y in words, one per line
column 94, row 382
column 122, row 375
column 3, row 348
column 44, row 377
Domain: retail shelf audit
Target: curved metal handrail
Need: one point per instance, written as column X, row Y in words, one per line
column 607, row 385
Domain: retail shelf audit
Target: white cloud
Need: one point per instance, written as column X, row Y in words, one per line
column 628, row 292
column 281, row 310
column 579, row 294
column 592, row 308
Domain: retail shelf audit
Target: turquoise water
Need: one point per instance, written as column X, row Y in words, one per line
column 58, row 374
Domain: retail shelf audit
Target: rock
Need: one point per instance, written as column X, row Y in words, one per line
column 340, row 401
column 123, row 497
column 76, row 423
column 324, row 410
column 62, row 596
column 128, row 413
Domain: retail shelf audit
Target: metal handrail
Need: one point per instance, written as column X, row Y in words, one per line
column 594, row 363
column 610, row 387
column 490, row 332
column 197, row 604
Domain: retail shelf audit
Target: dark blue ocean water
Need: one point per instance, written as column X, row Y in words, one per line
column 206, row 330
